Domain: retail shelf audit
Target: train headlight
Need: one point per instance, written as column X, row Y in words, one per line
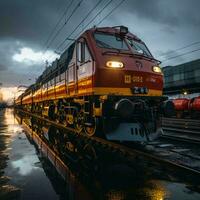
column 157, row 69
column 114, row 64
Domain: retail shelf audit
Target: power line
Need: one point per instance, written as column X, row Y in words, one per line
column 87, row 23
column 80, row 23
column 186, row 53
column 58, row 22
column 111, row 11
column 104, row 16
column 66, row 21
column 74, row 10
column 184, row 47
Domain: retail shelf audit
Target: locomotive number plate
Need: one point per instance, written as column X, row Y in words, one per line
column 134, row 79
column 137, row 79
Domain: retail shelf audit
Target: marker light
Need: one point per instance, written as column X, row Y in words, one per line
column 114, row 64
column 185, row 93
column 157, row 69
column 123, row 30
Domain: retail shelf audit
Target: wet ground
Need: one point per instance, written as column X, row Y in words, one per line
column 26, row 174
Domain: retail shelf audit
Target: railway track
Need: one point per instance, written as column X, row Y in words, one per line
column 185, row 130
column 129, row 154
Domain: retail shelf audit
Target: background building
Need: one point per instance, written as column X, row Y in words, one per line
column 183, row 79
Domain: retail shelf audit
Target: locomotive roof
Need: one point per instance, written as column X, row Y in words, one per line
column 112, row 30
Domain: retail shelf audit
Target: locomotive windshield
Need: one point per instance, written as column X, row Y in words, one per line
column 110, row 41
column 139, row 47
column 116, row 42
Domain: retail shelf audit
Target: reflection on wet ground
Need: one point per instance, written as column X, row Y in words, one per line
column 22, row 174
column 26, row 174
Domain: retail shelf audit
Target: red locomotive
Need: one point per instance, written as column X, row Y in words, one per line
column 107, row 82
column 186, row 107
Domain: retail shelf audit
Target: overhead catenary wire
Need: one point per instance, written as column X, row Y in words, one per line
column 181, row 48
column 58, row 22
column 111, row 11
column 92, row 9
column 67, row 20
column 67, row 38
column 61, row 44
column 183, row 54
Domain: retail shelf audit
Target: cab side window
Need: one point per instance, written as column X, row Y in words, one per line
column 83, row 52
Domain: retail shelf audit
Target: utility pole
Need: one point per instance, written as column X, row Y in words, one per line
column 46, row 64
column 1, row 95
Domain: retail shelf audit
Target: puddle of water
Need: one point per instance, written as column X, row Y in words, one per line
column 25, row 174
column 25, row 179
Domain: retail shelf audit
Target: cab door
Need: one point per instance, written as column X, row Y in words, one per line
column 84, row 68
column 71, row 78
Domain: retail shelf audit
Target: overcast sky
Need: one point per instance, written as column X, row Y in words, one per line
column 164, row 25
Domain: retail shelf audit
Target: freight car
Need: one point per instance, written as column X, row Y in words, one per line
column 107, row 82
column 186, row 107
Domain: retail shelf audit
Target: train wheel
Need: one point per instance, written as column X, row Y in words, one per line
column 90, row 161
column 91, row 127
column 79, row 122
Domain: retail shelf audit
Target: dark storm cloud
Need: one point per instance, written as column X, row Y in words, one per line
column 2, row 67
column 170, row 12
column 33, row 20
column 7, row 49
column 176, row 24
column 26, row 24
column 24, row 19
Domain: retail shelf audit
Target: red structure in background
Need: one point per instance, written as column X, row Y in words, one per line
column 186, row 107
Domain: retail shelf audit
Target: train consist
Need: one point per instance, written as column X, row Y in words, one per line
column 106, row 83
column 186, row 107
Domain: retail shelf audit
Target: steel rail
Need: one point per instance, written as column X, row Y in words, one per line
column 182, row 130
column 180, row 123
column 182, row 120
column 174, row 123
column 180, row 139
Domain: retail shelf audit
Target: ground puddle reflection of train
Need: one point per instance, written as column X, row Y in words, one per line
column 81, row 180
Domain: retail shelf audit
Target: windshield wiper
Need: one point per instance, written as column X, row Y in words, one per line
column 146, row 57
